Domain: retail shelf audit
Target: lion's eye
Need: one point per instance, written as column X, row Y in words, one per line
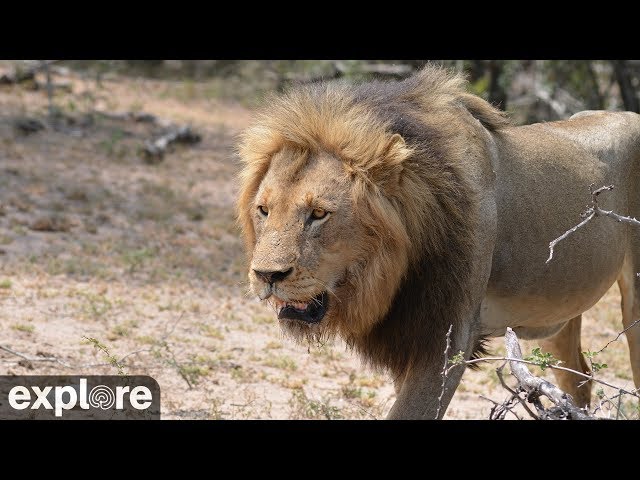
column 263, row 210
column 319, row 213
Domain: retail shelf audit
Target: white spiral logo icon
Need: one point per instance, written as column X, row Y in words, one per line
column 101, row 397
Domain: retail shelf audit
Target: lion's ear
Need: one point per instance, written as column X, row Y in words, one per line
column 388, row 171
column 396, row 152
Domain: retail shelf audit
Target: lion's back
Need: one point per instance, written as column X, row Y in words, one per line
column 609, row 136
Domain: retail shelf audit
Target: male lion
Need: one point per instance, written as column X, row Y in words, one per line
column 386, row 212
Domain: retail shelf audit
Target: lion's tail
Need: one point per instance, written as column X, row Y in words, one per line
column 480, row 349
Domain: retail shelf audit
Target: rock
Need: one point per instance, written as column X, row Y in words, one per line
column 53, row 223
column 28, row 125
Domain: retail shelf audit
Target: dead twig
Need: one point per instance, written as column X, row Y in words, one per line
column 514, row 394
column 535, row 386
column 553, row 367
column 534, row 396
column 619, row 335
column 445, row 370
column 499, row 410
column 31, row 358
column 592, row 211
column 112, row 360
column 553, row 243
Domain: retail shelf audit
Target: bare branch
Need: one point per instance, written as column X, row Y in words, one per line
column 445, row 370
column 536, row 385
column 553, row 243
column 619, row 335
column 554, row 367
column 160, row 343
column 593, row 210
column 31, row 358
column 499, row 410
column 619, row 218
column 513, row 393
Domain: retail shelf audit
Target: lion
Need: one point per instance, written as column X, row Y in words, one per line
column 386, row 213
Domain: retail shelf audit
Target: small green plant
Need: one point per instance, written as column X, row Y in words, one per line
column 193, row 372
column 595, row 366
column 457, row 359
column 211, row 331
column 351, row 391
column 146, row 339
column 120, row 330
column 101, row 347
column 24, row 327
column 134, row 259
column 542, row 359
column 282, row 362
column 112, row 146
column 5, row 284
column 302, row 407
column 215, row 412
column 5, row 239
column 96, row 306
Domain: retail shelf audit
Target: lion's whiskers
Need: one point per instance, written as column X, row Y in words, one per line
column 328, row 289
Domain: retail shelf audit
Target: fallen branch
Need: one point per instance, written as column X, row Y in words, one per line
column 514, row 394
column 127, row 116
column 538, row 387
column 154, row 150
column 112, row 360
column 535, row 386
column 31, row 358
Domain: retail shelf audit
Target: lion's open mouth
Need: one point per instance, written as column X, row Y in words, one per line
column 310, row 312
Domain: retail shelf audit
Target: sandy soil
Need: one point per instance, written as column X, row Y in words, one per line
column 146, row 258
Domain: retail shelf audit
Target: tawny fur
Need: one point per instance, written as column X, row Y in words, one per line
column 441, row 215
column 401, row 144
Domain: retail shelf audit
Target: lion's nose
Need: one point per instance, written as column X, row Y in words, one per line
column 275, row 276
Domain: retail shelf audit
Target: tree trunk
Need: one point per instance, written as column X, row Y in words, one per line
column 497, row 95
column 629, row 97
column 595, row 101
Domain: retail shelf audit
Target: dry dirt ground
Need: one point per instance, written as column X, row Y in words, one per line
column 146, row 258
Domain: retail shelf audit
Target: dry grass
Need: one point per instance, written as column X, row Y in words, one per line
column 150, row 260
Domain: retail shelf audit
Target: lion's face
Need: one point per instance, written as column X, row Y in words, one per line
column 305, row 227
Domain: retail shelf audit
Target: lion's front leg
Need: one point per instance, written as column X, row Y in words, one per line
column 419, row 390
column 418, row 398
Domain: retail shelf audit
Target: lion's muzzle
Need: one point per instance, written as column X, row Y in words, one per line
column 312, row 311
column 272, row 276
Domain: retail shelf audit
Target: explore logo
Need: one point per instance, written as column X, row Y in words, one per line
column 99, row 397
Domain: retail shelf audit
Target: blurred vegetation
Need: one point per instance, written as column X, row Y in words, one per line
column 532, row 90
